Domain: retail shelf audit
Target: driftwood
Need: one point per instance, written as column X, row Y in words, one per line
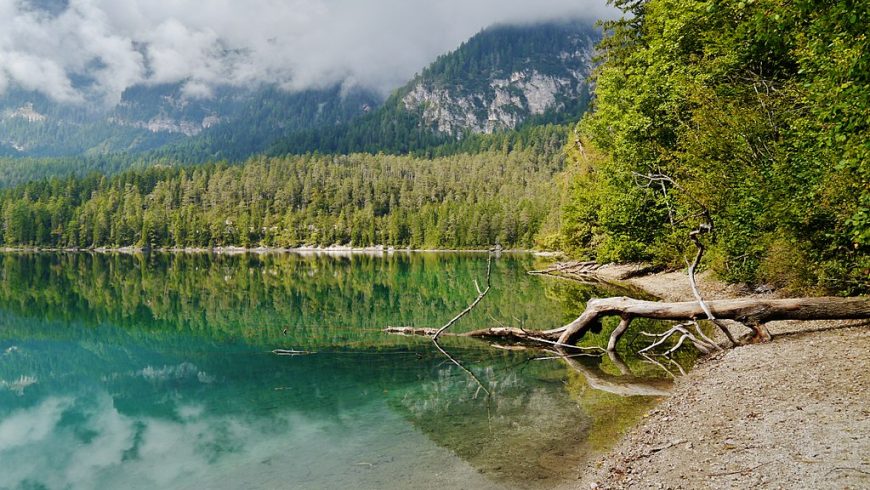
column 577, row 268
column 494, row 333
column 751, row 312
column 291, row 352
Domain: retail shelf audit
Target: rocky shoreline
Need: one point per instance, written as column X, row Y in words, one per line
column 792, row 413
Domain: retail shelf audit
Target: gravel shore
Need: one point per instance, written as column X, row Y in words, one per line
column 792, row 413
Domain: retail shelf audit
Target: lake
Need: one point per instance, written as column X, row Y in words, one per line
column 157, row 371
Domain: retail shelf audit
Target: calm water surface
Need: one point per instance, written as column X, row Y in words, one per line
column 120, row 371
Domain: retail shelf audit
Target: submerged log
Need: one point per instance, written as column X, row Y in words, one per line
column 503, row 333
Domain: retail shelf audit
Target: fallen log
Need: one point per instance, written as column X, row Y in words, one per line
column 502, row 333
column 752, row 312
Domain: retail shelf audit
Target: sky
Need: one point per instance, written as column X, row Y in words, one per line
column 75, row 51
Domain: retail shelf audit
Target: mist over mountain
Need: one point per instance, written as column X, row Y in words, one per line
column 502, row 78
column 151, row 117
column 499, row 79
column 91, row 51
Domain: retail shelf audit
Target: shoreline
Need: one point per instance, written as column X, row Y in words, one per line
column 791, row 413
column 231, row 250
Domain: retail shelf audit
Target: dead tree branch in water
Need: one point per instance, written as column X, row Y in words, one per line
column 749, row 311
column 435, row 333
column 588, row 267
column 480, row 296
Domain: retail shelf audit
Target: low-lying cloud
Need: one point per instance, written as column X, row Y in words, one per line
column 92, row 50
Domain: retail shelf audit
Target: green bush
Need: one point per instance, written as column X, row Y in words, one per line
column 759, row 112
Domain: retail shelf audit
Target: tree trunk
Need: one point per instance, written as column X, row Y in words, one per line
column 751, row 312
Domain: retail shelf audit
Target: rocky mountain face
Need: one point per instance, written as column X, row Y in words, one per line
column 503, row 78
column 509, row 92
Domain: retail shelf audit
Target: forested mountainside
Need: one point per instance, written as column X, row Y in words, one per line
column 500, row 79
column 751, row 117
column 461, row 201
column 757, row 113
column 231, row 124
column 20, row 170
column 32, row 124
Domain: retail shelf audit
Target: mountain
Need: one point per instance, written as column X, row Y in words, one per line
column 31, row 124
column 503, row 78
column 232, row 123
column 262, row 118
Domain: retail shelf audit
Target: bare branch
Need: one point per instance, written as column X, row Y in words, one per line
column 480, row 296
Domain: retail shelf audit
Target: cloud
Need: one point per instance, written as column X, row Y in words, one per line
column 79, row 50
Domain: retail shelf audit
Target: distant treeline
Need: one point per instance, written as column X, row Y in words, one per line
column 458, row 201
column 18, row 170
column 545, row 138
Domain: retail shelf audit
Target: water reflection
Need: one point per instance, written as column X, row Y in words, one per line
column 86, row 442
column 124, row 371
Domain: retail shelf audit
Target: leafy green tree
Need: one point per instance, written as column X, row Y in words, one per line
column 759, row 111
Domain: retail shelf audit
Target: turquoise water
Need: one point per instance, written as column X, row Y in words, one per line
column 122, row 371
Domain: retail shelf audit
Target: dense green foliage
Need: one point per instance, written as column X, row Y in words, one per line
column 759, row 112
column 450, row 202
column 16, row 171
